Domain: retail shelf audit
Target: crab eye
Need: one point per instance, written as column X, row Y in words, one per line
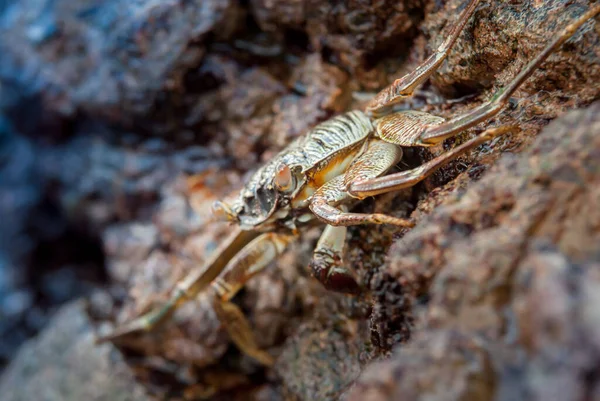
column 284, row 180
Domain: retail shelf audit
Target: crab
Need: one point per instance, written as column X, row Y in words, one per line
column 319, row 177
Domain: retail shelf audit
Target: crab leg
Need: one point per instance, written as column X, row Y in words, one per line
column 327, row 265
column 379, row 157
column 405, row 86
column 324, row 201
column 188, row 288
column 395, row 127
column 250, row 261
column 406, row 179
column 433, row 135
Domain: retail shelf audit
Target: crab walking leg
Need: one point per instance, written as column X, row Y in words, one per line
column 405, row 86
column 240, row 331
column 377, row 159
column 406, row 179
column 326, row 264
column 188, row 288
column 250, row 261
column 434, row 135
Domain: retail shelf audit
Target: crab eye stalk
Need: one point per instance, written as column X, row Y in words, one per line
column 284, row 180
column 222, row 212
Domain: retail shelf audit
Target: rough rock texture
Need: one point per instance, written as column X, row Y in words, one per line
column 510, row 269
column 113, row 58
column 505, row 38
column 347, row 33
column 120, row 121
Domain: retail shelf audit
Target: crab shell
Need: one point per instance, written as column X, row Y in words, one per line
column 279, row 192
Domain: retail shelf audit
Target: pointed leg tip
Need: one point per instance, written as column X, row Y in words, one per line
column 264, row 358
column 343, row 283
column 333, row 276
column 399, row 222
column 494, row 132
column 407, row 223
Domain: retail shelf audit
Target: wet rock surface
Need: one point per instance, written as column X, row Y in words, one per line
column 120, row 123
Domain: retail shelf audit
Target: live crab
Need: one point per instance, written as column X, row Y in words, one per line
column 319, row 176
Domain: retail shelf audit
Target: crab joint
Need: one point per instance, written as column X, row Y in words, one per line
column 222, row 212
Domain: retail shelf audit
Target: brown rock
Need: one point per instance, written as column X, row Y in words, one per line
column 350, row 31
column 492, row 293
column 353, row 30
column 510, row 266
column 500, row 40
column 322, row 359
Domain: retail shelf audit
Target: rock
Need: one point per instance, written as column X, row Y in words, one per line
column 190, row 112
column 322, row 359
column 510, row 268
column 99, row 178
column 350, row 31
column 64, row 364
column 501, row 40
column 19, row 196
column 111, row 59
